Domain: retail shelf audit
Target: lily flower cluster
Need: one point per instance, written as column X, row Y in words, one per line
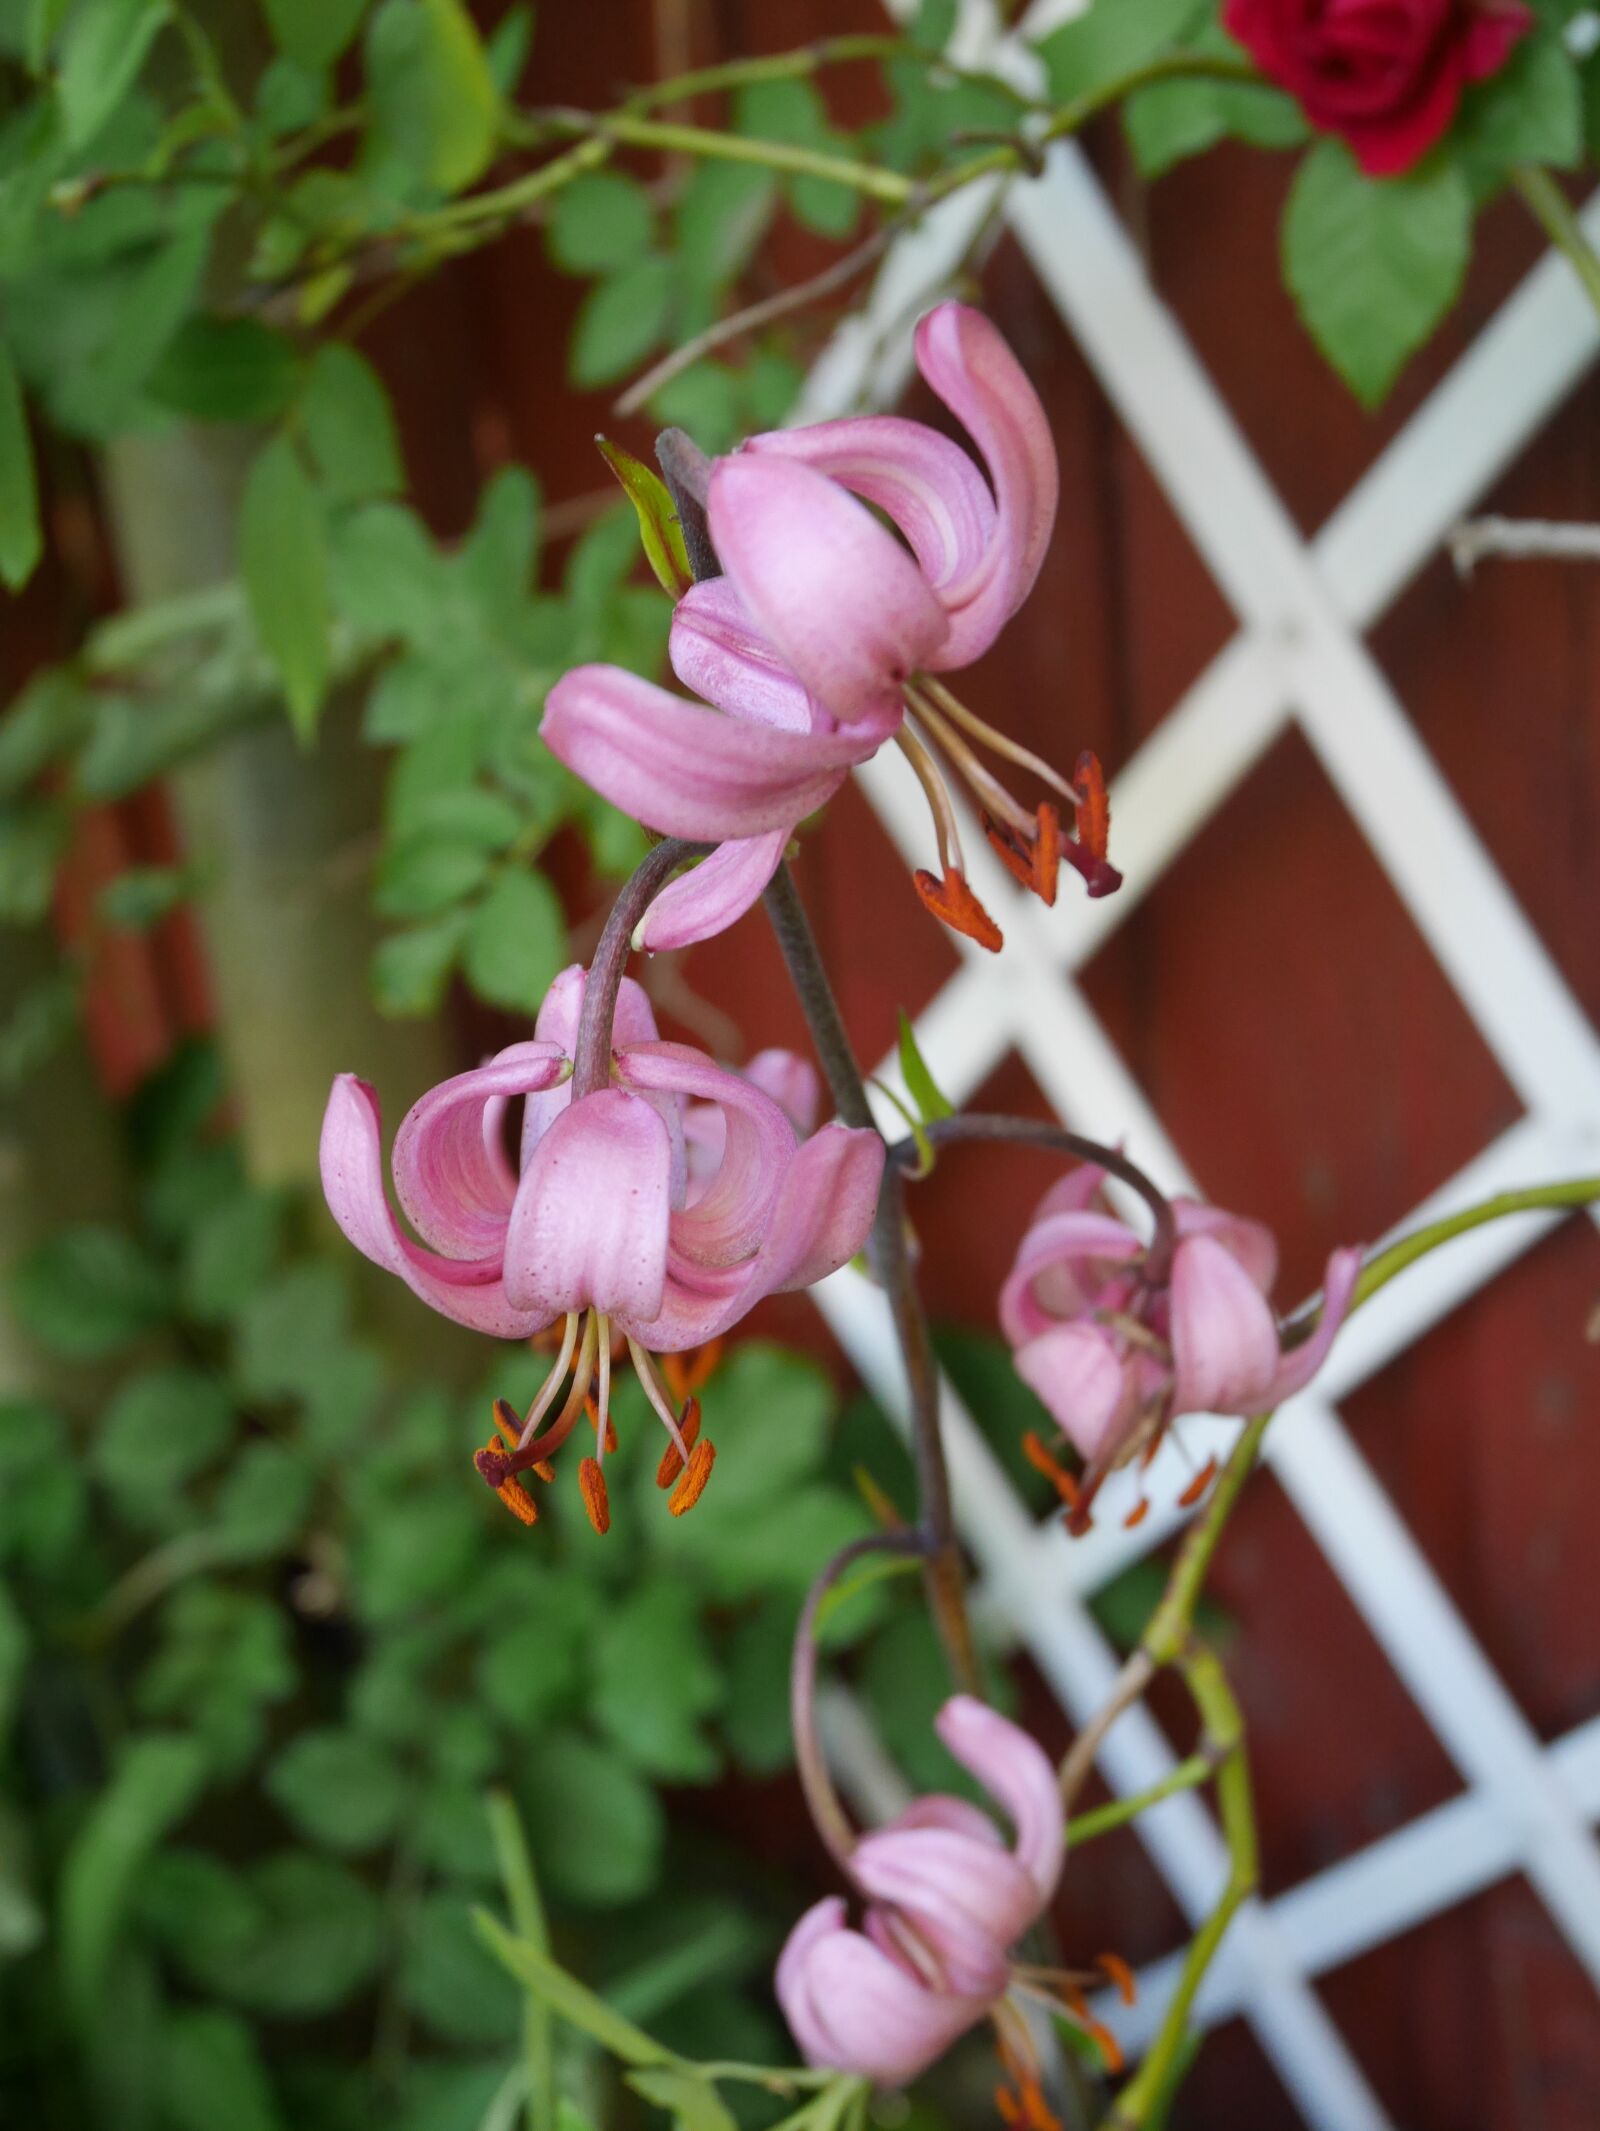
column 945, row 1901
column 1118, row 1338
column 654, row 1211
column 827, row 636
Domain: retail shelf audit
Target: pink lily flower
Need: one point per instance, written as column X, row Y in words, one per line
column 597, row 1227
column 1115, row 1355
column 946, row 1899
column 823, row 639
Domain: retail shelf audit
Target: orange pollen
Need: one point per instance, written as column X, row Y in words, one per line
column 1093, row 808
column 593, row 1483
column 1039, row 1457
column 593, row 1412
column 508, row 1423
column 1116, row 1970
column 954, row 904
column 1198, row 1485
column 687, row 1373
column 544, row 1468
column 688, row 1427
column 1137, row 1515
column 693, row 1484
column 1033, row 861
column 1006, row 2103
column 1110, row 2048
column 516, row 1499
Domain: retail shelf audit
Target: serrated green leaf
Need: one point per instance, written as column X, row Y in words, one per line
column 213, row 2074
column 87, row 1292
column 420, row 876
column 340, row 1788
column 159, row 1431
column 720, row 217
column 659, row 529
column 20, row 536
column 920, row 1083
column 411, row 969
column 1374, row 264
column 1110, row 39
column 516, row 941
column 350, row 428
column 226, row 370
column 431, row 89
column 313, row 32
column 1174, row 119
column 794, row 112
column 623, row 319
column 600, row 222
column 284, row 563
column 598, row 1838
column 103, row 50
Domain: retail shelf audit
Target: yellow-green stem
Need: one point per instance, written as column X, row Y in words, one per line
column 1552, row 210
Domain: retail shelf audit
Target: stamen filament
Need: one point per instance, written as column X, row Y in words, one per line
column 982, row 780
column 1013, row 750
column 937, row 795
column 564, row 1423
column 602, row 1418
column 553, row 1382
column 645, row 1369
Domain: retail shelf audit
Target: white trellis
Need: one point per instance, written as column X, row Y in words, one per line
column 1298, row 660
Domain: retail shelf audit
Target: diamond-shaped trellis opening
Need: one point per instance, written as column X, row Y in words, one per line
column 1483, row 1435
column 1323, row 1111
column 1339, row 1752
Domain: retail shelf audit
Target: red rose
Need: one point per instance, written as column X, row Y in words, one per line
column 1386, row 75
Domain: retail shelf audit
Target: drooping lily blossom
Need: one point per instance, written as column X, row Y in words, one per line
column 945, row 1901
column 597, row 1227
column 826, row 637
column 1116, row 1347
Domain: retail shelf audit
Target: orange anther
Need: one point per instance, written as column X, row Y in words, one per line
column 1116, row 1970
column 687, row 1373
column 544, row 1468
column 1006, row 2103
column 1198, row 1485
column 496, row 1469
column 1035, row 2108
column 1137, row 1515
column 671, row 1465
column 693, row 1484
column 593, row 1483
column 508, row 1421
column 1039, row 1457
column 1110, row 2048
column 1033, row 861
column 954, row 904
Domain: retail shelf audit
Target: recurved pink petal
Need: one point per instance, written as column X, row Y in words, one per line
column 1014, row 1769
column 1300, row 1364
column 1072, row 1193
column 731, row 1217
column 1077, row 1374
column 841, row 602
column 712, row 895
column 589, row 1226
column 447, row 1178
column 968, row 364
column 471, row 1291
column 1251, row 1242
column 1224, row 1336
column 968, row 1901
column 1061, row 1266
column 688, row 771
column 853, row 2009
column 717, row 650
column 792, row 1083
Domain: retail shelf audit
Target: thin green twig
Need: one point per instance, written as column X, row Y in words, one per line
column 1552, row 210
column 528, row 1922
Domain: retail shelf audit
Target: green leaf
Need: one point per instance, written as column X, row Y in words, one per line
column 104, row 49
column 46, row 721
column 449, row 1979
column 156, row 1783
column 432, row 93
column 653, row 1680
column 350, row 428
column 214, row 2074
column 516, row 941
column 341, row 1789
column 601, row 221
column 313, row 32
column 658, row 520
column 14, row 1641
column 20, row 537
column 755, row 1721
column 695, row 2103
column 320, row 1939
column 794, row 112
column 142, row 896
column 87, row 1292
column 720, row 217
column 920, row 1083
column 418, row 1552
column 499, row 556
column 33, row 836
column 528, row 1670
column 1110, row 39
column 385, row 575
column 284, row 563
column 411, row 969
column 1531, row 111
column 229, row 1253
column 1174, row 119
column 600, row 1828
column 420, row 876
column 263, row 1503
column 1374, row 264
column 161, row 1429
column 226, row 370
column 509, row 46
column 568, row 1998
column 622, row 320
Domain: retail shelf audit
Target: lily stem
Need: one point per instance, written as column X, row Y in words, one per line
column 1552, row 210
column 591, row 1052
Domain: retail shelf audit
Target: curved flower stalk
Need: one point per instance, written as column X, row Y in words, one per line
column 605, row 1226
column 945, row 1901
column 1117, row 1345
column 826, row 637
